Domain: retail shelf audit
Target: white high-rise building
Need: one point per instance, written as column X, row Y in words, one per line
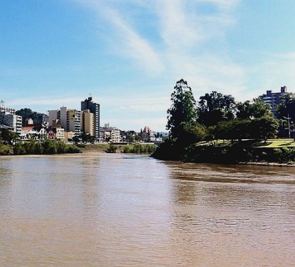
column 12, row 120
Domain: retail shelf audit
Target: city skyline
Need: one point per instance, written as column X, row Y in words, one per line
column 129, row 54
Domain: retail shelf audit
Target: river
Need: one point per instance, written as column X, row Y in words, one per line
column 129, row 210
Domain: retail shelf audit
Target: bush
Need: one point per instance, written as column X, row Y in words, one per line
column 139, row 148
column 111, row 149
column 5, row 149
column 46, row 147
column 19, row 149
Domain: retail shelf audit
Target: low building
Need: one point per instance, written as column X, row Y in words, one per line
column 69, row 136
column 145, row 134
column 115, row 135
column 30, row 132
column 56, row 133
column 110, row 134
column 59, row 133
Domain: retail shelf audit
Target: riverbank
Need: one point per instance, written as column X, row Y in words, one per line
column 272, row 151
column 48, row 147
column 119, row 148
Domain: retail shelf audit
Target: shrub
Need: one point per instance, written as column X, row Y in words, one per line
column 111, row 149
column 5, row 149
column 140, row 148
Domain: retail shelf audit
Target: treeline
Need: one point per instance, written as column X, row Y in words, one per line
column 216, row 116
column 139, row 148
column 132, row 148
column 10, row 145
column 46, row 147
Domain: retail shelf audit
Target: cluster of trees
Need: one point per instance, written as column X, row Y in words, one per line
column 286, row 115
column 84, row 138
column 8, row 137
column 27, row 114
column 132, row 148
column 139, row 148
column 11, row 145
column 46, row 147
column 217, row 116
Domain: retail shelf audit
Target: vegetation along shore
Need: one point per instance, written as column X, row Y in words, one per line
column 217, row 129
column 10, row 145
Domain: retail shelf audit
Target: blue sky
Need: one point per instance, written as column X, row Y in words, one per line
column 128, row 54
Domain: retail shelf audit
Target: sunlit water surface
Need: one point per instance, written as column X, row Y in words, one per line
column 122, row 210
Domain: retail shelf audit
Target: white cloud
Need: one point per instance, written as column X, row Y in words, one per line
column 133, row 45
column 184, row 33
column 181, row 34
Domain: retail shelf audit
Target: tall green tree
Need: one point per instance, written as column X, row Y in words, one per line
column 264, row 128
column 27, row 113
column 286, row 107
column 215, row 107
column 253, row 110
column 182, row 115
column 8, row 137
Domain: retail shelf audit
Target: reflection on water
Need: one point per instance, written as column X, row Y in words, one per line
column 118, row 210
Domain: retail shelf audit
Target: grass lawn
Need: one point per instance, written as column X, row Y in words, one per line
column 279, row 143
column 270, row 143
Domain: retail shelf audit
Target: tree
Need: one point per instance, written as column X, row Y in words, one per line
column 286, row 107
column 182, row 114
column 286, row 115
column 215, row 107
column 8, row 137
column 87, row 138
column 234, row 129
column 256, row 109
column 27, row 114
column 76, row 139
column 264, row 128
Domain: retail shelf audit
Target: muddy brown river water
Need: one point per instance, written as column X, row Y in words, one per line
column 129, row 210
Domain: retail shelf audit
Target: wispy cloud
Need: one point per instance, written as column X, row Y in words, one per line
column 184, row 33
column 133, row 45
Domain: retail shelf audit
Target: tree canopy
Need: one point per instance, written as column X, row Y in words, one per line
column 215, row 107
column 254, row 110
column 182, row 114
column 286, row 107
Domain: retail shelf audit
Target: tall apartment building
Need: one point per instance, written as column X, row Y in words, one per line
column 69, row 119
column 53, row 115
column 11, row 120
column 273, row 99
column 94, row 108
column 73, row 123
column 87, row 121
